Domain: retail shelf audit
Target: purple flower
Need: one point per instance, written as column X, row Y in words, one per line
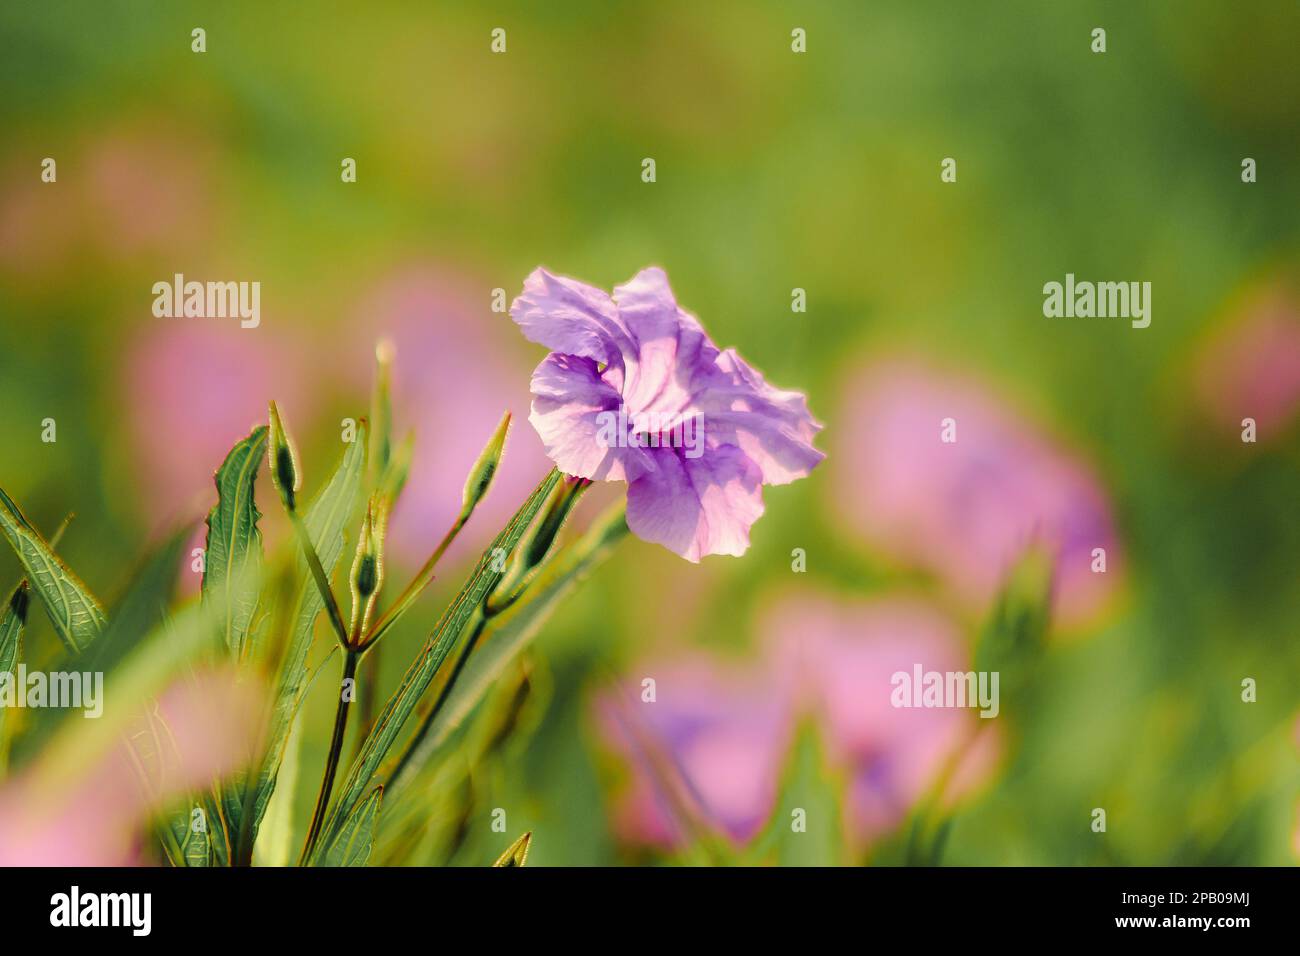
column 708, row 751
column 635, row 391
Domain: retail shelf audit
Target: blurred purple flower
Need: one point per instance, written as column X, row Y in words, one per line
column 457, row 368
column 634, row 391
column 709, row 748
column 1250, row 368
column 841, row 658
column 967, row 510
column 716, row 738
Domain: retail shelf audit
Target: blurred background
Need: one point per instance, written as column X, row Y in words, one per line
column 775, row 171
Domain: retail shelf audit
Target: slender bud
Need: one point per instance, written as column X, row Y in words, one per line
column 381, row 411
column 283, row 463
column 368, row 565
column 485, row 469
column 565, row 496
column 517, row 853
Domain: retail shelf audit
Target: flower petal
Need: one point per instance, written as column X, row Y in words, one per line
column 571, row 317
column 772, row 426
column 697, row 506
column 570, row 405
column 671, row 346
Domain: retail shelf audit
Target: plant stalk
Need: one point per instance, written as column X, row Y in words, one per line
column 350, row 661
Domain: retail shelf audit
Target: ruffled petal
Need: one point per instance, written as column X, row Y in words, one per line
column 772, row 426
column 572, row 318
column 575, row 412
column 697, row 506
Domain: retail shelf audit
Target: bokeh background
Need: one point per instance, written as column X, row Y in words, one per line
column 775, row 171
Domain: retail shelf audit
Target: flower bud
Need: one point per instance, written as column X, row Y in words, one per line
column 368, row 565
column 283, row 461
column 565, row 496
column 485, row 469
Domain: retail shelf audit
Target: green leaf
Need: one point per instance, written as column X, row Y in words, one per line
column 806, row 826
column 509, row 634
column 274, row 845
column 439, row 643
column 517, row 853
column 326, row 518
column 197, row 849
column 234, row 541
column 142, row 607
column 77, row 617
column 12, row 621
column 356, row 837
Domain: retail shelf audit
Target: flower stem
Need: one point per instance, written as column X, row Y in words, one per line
column 318, row 574
column 415, row 588
column 350, row 662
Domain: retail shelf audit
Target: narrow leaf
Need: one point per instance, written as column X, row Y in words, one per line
column 234, row 541
column 142, row 606
column 197, row 848
column 12, row 621
column 356, row 837
column 77, row 617
column 325, row 519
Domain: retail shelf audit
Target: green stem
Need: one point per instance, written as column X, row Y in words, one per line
column 332, row 761
column 319, row 575
column 416, row 587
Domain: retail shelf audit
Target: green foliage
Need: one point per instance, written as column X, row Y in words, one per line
column 356, row 836
column 233, row 541
column 422, row 671
column 263, row 622
column 77, row 617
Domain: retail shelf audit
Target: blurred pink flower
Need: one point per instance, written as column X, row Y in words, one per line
column 967, row 510
column 128, row 190
column 457, row 369
column 194, row 387
column 96, row 818
column 146, row 190
column 1250, row 367
column 709, row 747
column 841, row 657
